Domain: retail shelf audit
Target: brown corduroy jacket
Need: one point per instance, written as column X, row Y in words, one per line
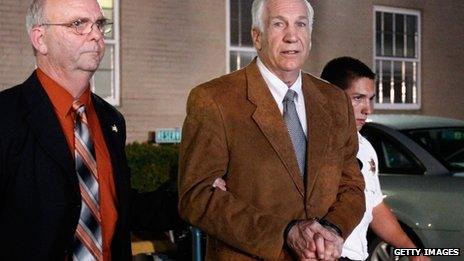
column 235, row 130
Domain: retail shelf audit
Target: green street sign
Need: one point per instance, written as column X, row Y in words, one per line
column 168, row 135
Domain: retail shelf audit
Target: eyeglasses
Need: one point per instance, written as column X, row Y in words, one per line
column 84, row 26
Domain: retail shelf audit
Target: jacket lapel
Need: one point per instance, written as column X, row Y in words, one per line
column 269, row 119
column 46, row 127
column 111, row 132
column 319, row 123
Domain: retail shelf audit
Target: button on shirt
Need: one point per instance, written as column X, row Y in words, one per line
column 278, row 90
column 355, row 246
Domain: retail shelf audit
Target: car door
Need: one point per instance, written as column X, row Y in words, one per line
column 424, row 196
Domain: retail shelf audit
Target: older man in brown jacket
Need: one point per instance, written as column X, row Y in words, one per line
column 284, row 141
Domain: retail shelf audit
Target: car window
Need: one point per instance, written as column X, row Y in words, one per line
column 446, row 144
column 394, row 158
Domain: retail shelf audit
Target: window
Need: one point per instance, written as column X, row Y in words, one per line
column 106, row 79
column 447, row 145
column 240, row 50
column 394, row 158
column 397, row 58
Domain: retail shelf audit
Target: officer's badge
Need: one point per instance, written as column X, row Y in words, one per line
column 372, row 163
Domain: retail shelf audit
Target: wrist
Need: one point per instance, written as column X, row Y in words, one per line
column 332, row 226
column 292, row 224
column 288, row 228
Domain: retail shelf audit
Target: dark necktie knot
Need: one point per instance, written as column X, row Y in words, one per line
column 290, row 96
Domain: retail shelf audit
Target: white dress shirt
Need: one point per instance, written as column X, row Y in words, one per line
column 355, row 246
column 278, row 90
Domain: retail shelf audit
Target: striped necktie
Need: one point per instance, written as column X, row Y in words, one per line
column 88, row 238
column 295, row 130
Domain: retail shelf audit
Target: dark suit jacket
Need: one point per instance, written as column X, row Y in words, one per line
column 235, row 130
column 39, row 193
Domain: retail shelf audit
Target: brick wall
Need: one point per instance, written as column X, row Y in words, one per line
column 345, row 27
column 16, row 59
column 167, row 47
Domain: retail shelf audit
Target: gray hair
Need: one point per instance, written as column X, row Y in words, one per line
column 257, row 11
column 35, row 15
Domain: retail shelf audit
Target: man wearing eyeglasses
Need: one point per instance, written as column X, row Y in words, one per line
column 64, row 180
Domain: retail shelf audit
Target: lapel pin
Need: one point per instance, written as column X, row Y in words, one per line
column 114, row 128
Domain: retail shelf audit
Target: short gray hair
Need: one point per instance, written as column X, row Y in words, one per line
column 257, row 11
column 35, row 15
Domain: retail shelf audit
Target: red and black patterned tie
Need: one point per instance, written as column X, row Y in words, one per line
column 88, row 239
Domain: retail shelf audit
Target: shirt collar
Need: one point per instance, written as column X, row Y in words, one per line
column 276, row 85
column 360, row 138
column 61, row 99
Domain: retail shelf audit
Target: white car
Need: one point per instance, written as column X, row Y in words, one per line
column 421, row 171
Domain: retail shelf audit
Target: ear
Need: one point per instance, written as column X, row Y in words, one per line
column 37, row 36
column 256, row 35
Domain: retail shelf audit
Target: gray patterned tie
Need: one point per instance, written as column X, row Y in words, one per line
column 294, row 129
column 88, row 239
